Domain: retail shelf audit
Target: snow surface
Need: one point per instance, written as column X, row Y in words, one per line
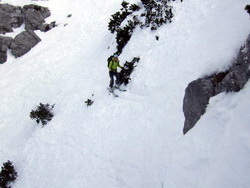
column 134, row 141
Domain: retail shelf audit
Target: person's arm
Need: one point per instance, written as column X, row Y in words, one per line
column 119, row 65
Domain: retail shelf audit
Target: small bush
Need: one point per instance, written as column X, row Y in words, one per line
column 116, row 20
column 134, row 8
column 125, row 4
column 123, row 36
column 43, row 113
column 127, row 71
column 8, row 175
column 247, row 8
column 156, row 13
column 89, row 102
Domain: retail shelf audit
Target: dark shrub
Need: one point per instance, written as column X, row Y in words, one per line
column 43, row 113
column 89, row 102
column 125, row 4
column 127, row 71
column 134, row 7
column 157, row 13
column 123, row 36
column 247, row 8
column 116, row 20
column 8, row 175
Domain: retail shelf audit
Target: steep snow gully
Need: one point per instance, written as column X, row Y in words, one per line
column 136, row 140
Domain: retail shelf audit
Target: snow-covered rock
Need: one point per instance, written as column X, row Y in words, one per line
column 197, row 95
column 4, row 45
column 35, row 16
column 23, row 43
column 198, row 92
column 11, row 17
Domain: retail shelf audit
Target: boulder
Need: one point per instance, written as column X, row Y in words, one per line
column 199, row 91
column 238, row 74
column 196, row 99
column 11, row 17
column 5, row 43
column 23, row 43
column 35, row 16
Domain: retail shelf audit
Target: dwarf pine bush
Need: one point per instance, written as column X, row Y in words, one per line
column 157, row 13
column 89, row 102
column 118, row 17
column 8, row 175
column 43, row 113
column 127, row 71
column 154, row 14
column 247, row 8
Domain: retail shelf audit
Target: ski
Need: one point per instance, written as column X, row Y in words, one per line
column 122, row 90
column 111, row 91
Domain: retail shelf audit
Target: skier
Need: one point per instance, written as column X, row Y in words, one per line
column 112, row 65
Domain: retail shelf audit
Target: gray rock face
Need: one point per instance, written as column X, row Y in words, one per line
column 198, row 92
column 35, row 16
column 196, row 98
column 238, row 74
column 11, row 17
column 4, row 45
column 23, row 43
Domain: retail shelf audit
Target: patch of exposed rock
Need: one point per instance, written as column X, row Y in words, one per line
column 33, row 16
column 11, row 17
column 5, row 43
column 23, row 43
column 199, row 91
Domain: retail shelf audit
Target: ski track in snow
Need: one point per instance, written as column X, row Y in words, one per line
column 135, row 140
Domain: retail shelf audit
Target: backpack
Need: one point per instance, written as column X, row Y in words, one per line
column 109, row 60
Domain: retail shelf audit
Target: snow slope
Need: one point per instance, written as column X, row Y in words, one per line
column 134, row 141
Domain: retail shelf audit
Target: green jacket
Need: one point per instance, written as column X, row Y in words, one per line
column 113, row 65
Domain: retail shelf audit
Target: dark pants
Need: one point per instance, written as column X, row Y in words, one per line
column 112, row 75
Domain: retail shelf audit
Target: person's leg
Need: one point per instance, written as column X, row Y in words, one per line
column 117, row 81
column 111, row 75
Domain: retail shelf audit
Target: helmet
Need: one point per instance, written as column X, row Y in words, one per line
column 116, row 55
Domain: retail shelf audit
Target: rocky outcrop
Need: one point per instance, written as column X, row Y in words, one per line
column 4, row 45
column 11, row 17
column 23, row 43
column 196, row 98
column 34, row 16
column 198, row 92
